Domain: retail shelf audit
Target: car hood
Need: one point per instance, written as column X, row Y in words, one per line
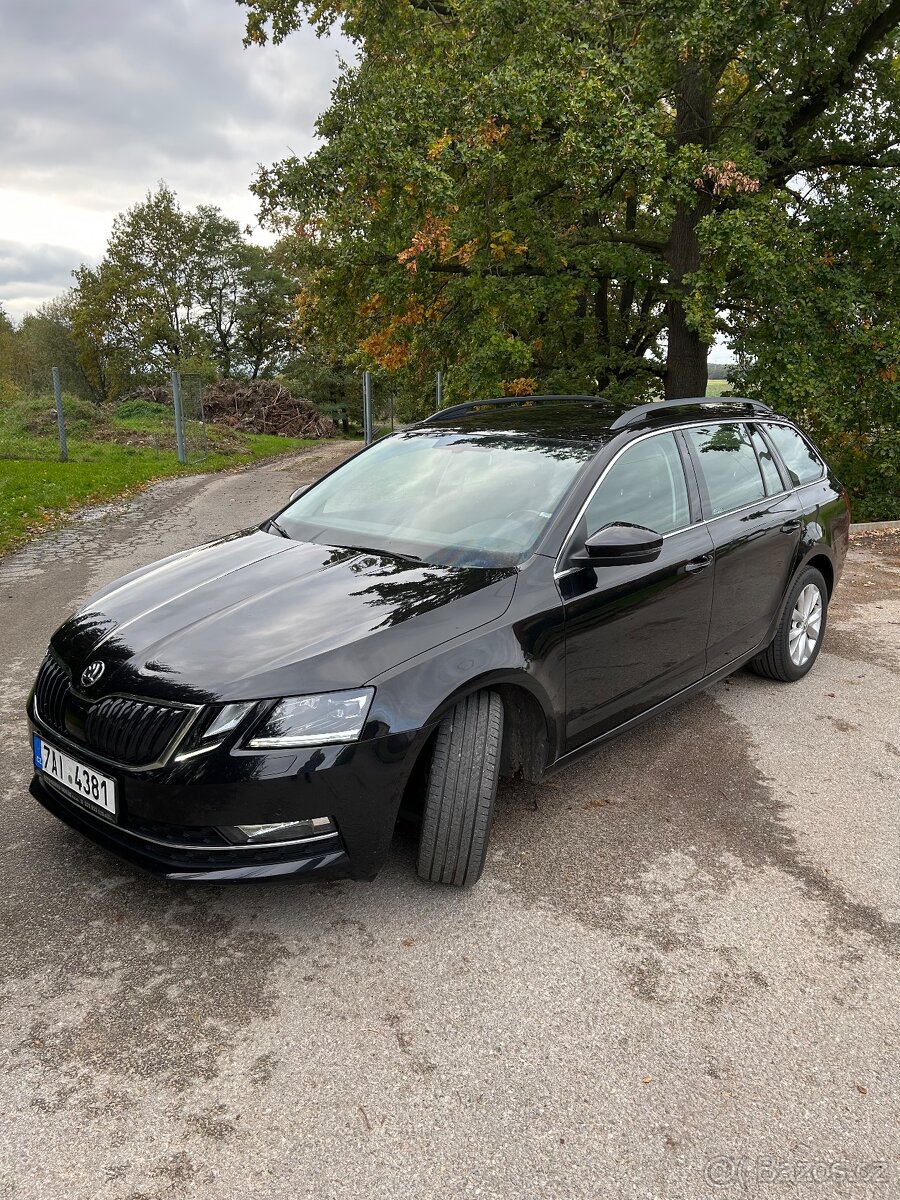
column 253, row 616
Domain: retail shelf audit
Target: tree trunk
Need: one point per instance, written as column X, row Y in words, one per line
column 686, row 353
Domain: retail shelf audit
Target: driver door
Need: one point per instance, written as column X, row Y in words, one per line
column 636, row 635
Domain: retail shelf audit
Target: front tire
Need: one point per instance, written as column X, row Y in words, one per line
column 798, row 639
column 462, row 785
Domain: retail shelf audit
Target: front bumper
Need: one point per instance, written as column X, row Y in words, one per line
column 161, row 854
column 168, row 818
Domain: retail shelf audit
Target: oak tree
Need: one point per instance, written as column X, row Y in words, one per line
column 577, row 195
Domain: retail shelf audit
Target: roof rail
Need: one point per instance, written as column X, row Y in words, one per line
column 635, row 415
column 441, row 414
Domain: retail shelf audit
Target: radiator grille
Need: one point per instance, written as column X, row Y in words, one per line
column 51, row 693
column 135, row 732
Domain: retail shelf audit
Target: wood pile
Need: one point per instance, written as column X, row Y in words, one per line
column 264, row 406
column 255, row 406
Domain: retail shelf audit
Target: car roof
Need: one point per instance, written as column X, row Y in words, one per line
column 583, row 418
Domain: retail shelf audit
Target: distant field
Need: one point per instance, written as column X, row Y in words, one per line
column 111, row 452
column 718, row 387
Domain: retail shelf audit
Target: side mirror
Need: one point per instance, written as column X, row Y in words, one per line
column 298, row 492
column 620, row 545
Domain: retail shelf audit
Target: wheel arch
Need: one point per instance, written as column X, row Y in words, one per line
column 823, row 564
column 527, row 744
column 529, row 740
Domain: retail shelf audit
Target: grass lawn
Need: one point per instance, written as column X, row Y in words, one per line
column 111, row 452
column 718, row 387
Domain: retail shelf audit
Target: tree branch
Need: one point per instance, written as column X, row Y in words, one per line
column 840, row 82
column 873, row 161
column 524, row 267
column 651, row 245
column 626, row 299
column 434, row 7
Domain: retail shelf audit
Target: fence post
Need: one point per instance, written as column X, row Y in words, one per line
column 60, row 416
column 179, row 417
column 439, row 389
column 367, row 408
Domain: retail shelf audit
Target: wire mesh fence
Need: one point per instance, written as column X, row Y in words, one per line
column 214, row 418
column 57, row 424
column 30, row 428
column 196, row 441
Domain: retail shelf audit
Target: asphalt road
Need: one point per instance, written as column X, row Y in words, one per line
column 678, row 977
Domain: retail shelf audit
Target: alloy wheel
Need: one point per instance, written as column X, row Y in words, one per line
column 806, row 625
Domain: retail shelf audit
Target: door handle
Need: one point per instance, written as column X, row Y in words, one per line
column 790, row 526
column 699, row 564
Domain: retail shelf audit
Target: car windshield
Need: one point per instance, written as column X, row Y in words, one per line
column 474, row 499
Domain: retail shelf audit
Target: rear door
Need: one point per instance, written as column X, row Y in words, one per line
column 636, row 634
column 755, row 526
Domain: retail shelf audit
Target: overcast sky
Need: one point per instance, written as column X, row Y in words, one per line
column 100, row 100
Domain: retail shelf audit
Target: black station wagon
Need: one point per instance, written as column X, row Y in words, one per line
column 488, row 593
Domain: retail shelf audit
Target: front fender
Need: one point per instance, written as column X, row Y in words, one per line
column 523, row 649
column 419, row 691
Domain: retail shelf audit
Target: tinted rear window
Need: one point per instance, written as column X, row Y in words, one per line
column 729, row 466
column 802, row 462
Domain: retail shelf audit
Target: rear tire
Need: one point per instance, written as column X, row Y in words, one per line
column 462, row 785
column 798, row 639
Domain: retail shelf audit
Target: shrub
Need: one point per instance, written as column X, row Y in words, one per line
column 138, row 408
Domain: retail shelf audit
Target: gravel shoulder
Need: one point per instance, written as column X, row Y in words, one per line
column 683, row 959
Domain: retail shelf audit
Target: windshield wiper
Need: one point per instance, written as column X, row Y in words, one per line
column 273, row 524
column 389, row 553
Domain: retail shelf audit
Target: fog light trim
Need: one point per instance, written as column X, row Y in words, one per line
column 275, row 833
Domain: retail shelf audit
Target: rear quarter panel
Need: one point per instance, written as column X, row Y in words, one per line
column 826, row 522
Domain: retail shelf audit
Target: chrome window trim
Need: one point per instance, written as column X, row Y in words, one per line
column 753, row 504
column 559, row 574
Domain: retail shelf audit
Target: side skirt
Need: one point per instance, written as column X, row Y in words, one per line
column 685, row 694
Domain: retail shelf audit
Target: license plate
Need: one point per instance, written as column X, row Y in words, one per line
column 88, row 787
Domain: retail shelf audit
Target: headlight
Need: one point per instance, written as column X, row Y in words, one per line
column 314, row 720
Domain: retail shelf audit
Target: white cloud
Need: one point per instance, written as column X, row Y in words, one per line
column 102, row 100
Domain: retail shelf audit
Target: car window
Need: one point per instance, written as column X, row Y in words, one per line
column 729, row 466
column 645, row 486
column 802, row 462
column 477, row 499
column 767, row 463
column 404, row 478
